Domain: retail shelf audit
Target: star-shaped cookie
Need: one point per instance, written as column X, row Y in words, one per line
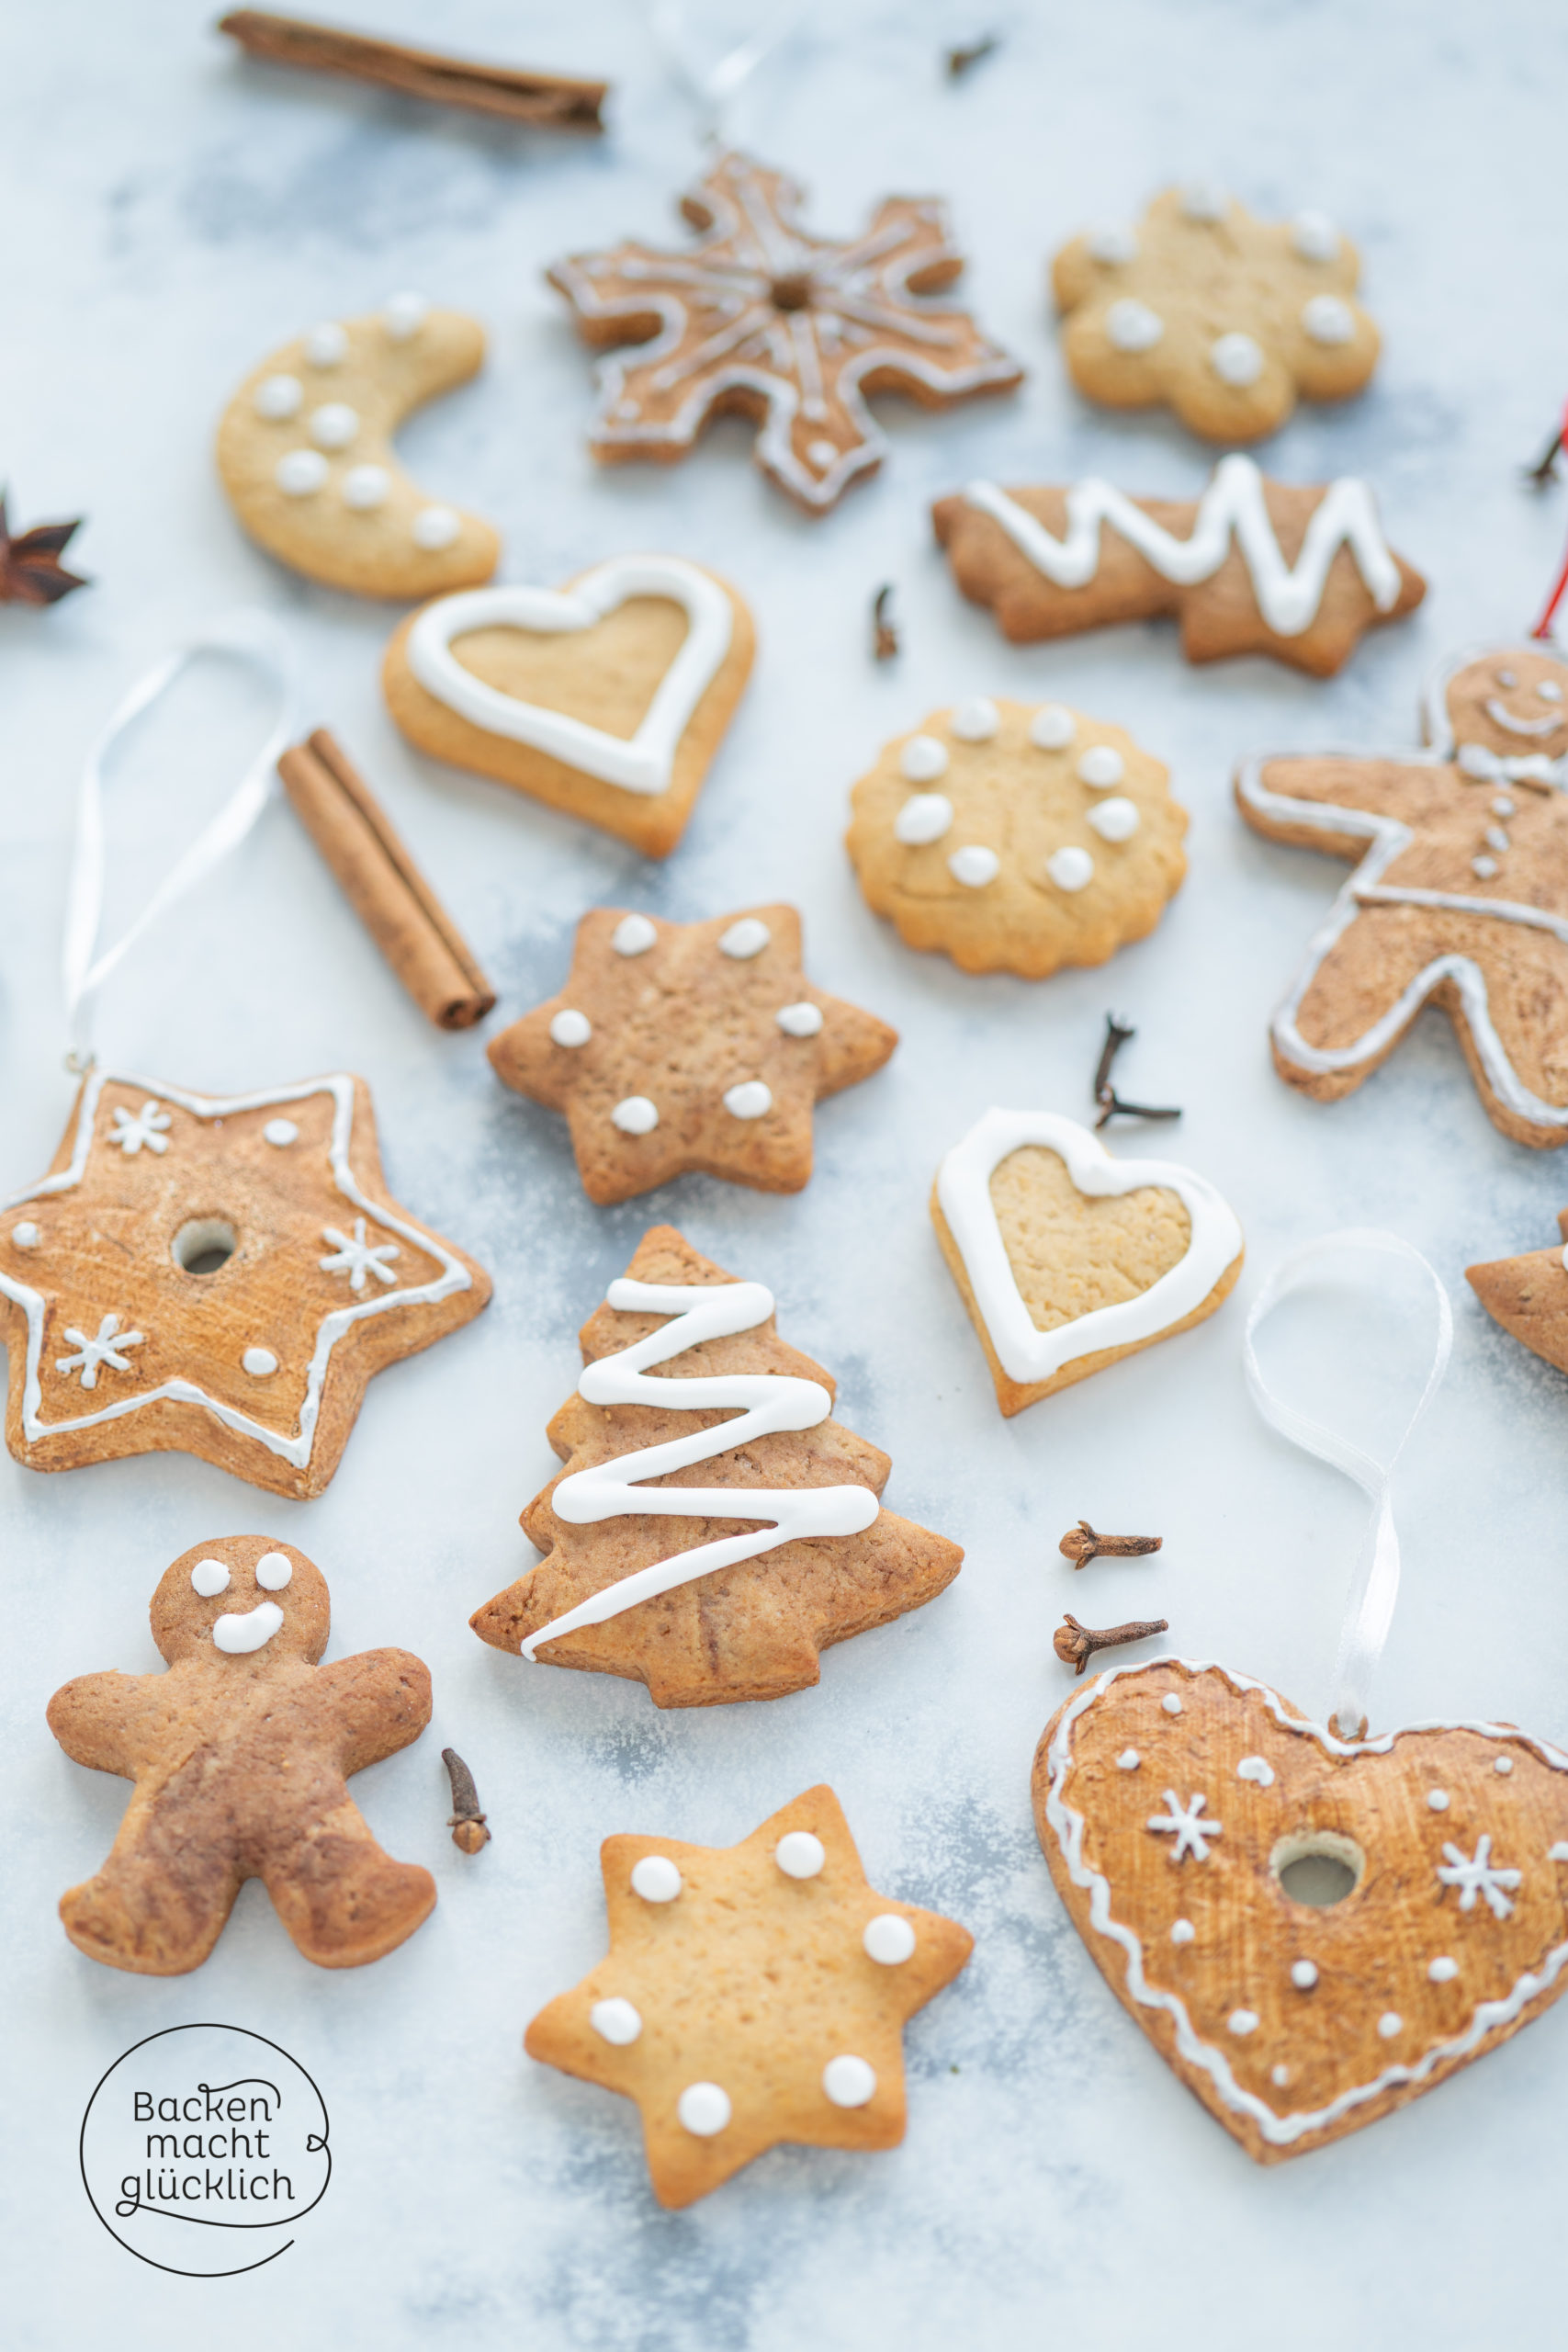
column 1460, row 897
column 752, row 1994
column 763, row 319
column 218, row 1276
column 1529, row 1296
column 689, row 1045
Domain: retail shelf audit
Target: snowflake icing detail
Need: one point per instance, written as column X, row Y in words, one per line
column 1191, row 1835
column 1478, row 1874
column 103, row 1349
column 356, row 1257
column 762, row 317
column 148, row 1126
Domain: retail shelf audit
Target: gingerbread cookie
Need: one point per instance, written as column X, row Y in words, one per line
column 1459, row 898
column 241, row 1756
column 1016, row 837
column 676, row 1047
column 1069, row 1259
column 764, row 320
column 1175, row 1803
column 216, row 1275
column 608, row 698
column 1254, row 566
column 1529, row 1296
column 1227, row 319
column 305, row 453
column 752, row 1994
column 704, row 1619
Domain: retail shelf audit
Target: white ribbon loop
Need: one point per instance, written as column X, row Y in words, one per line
column 248, row 636
column 1374, row 1584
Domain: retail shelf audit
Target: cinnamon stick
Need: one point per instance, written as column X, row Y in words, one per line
column 383, row 885
column 519, row 95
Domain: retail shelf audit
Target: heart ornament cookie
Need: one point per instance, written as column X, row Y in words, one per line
column 1069, row 1259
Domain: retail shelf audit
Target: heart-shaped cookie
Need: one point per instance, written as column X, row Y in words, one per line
column 1069, row 1259
column 1177, row 1804
column 608, row 698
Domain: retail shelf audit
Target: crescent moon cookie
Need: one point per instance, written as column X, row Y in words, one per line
column 1016, row 837
column 1068, row 1260
column 608, row 698
column 305, row 453
column 1254, row 566
column 1227, row 319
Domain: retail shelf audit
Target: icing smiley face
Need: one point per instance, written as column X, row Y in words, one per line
column 1513, row 703
column 243, row 1595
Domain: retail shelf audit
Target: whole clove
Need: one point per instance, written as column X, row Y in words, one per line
column 1074, row 1645
column 466, row 1822
column 884, row 635
column 963, row 61
column 1117, row 1033
column 1083, row 1544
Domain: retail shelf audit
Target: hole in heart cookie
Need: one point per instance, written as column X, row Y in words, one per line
column 1071, row 1252
column 606, row 675
column 1319, row 1866
column 204, row 1244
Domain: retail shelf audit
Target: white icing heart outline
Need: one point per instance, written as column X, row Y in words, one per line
column 1028, row 1355
column 644, row 763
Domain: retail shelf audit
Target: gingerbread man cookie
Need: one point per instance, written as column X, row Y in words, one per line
column 241, row 1756
column 764, row 320
column 1227, row 319
column 1459, row 898
column 305, row 453
column 1016, row 837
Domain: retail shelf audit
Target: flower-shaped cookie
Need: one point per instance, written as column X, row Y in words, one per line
column 1227, row 319
column 1016, row 837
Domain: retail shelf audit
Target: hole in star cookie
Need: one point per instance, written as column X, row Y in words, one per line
column 1070, row 1253
column 203, row 1244
column 1319, row 1866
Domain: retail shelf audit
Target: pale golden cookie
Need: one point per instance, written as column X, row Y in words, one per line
column 1016, row 837
column 305, row 453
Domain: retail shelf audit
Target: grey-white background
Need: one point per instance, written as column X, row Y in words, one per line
column 171, row 214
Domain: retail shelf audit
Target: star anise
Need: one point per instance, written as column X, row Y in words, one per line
column 31, row 569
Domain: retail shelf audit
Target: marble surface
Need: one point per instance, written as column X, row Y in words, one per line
column 172, row 212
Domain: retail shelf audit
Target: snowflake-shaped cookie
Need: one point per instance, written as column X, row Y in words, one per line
column 1227, row 319
column 792, row 330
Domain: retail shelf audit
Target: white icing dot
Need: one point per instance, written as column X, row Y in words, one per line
column 1327, row 320
column 614, row 2020
column 633, row 935
column 1279, row 2076
column 800, row 1019
column 974, row 720
column 1131, row 326
column 1508, row 678
column 1549, row 690
column 404, row 315
column 849, row 2082
column 1237, row 360
column 1503, row 1764
column 822, row 454
column 259, row 1362
column 1129, row 1761
column 281, row 1132
column 924, row 817
column 365, row 487
column 1390, row 2023
column 434, row 527
column 1182, row 1931
column 1303, row 1974
column 749, row 1100
column 1503, row 806
column 325, row 344
column 973, row 866
column 888, row 1939
column 277, row 397
column 333, row 426
column 210, row 1578
column 1101, row 766
column 1497, row 838
column 1171, row 1703
column 1113, row 242
column 1483, row 868
column 1204, row 200
column 1116, row 820
column 570, row 1027
column 800, row 1855
column 1437, row 1799
column 27, row 1236
column 636, row 1115
column 1256, row 1768
column 703, row 2109
column 1053, row 727
column 922, row 759
column 1442, row 1970
column 1070, row 868
column 1243, row 2020
column 656, row 1879
column 274, row 1570
column 300, row 472
column 1315, row 236
column 744, row 939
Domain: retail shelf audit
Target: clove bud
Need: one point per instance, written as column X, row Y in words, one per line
column 1081, row 1545
column 1074, row 1645
column 466, row 1823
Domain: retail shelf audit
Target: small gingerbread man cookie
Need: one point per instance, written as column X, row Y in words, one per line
column 1227, row 319
column 1016, row 837
column 240, row 1755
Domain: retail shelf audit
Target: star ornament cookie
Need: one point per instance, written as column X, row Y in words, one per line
column 218, row 1276
column 1460, row 896
column 1179, row 1806
column 763, row 320
column 751, row 1995
column 676, row 1048
column 1016, row 837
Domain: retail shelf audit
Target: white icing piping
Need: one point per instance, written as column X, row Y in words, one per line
column 646, row 762
column 1233, row 504
column 455, row 1275
column 1279, row 2131
column 1026, row 1355
column 770, row 1401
